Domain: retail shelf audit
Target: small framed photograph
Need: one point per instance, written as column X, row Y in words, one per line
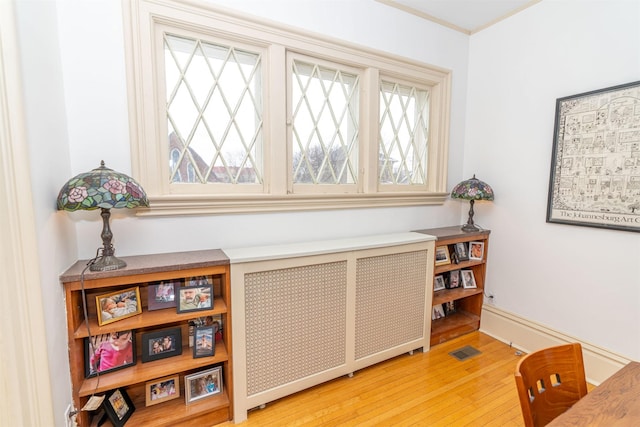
column 161, row 344
column 214, row 320
column 195, row 298
column 162, row 389
column 203, row 384
column 109, row 352
column 204, row 344
column 476, row 250
column 199, row 281
column 118, row 305
column 437, row 312
column 454, row 279
column 162, row 295
column 442, row 255
column 462, row 251
column 118, row 406
column 438, row 283
column 449, row 307
column 468, row 279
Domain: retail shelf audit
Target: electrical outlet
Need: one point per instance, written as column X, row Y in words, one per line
column 490, row 297
column 70, row 417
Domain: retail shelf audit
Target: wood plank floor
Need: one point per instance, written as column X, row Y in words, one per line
column 423, row 389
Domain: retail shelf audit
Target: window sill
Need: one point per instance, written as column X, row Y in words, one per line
column 207, row 205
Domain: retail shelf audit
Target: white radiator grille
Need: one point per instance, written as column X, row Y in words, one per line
column 390, row 295
column 295, row 323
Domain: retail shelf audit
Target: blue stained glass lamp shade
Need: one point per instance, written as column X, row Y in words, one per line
column 472, row 189
column 102, row 188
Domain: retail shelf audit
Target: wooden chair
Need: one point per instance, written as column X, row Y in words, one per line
column 549, row 382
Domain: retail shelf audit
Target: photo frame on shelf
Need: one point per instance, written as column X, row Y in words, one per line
column 162, row 295
column 442, row 255
column 161, row 344
column 119, row 305
column 109, row 352
column 162, row 390
column 199, row 281
column 594, row 165
column 468, row 279
column 476, row 251
column 195, row 298
column 449, row 307
column 214, row 320
column 462, row 251
column 204, row 341
column 437, row 312
column 454, row 279
column 203, row 384
column 438, row 283
column 118, row 407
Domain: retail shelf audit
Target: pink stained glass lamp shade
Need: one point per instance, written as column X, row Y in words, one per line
column 102, row 188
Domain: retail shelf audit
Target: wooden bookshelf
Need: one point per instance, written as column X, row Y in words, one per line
column 467, row 302
column 141, row 272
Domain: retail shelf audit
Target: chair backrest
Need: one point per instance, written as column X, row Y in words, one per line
column 549, row 382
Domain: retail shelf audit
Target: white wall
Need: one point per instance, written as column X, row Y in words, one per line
column 76, row 112
column 582, row 281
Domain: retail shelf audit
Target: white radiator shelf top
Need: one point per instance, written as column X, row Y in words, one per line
column 292, row 250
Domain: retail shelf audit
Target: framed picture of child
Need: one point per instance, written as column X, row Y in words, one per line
column 462, row 251
column 119, row 305
column 162, row 389
column 161, row 344
column 438, row 283
column 162, row 295
column 203, row 384
column 109, row 352
column 454, row 279
column 204, row 344
column 476, row 250
column 468, row 279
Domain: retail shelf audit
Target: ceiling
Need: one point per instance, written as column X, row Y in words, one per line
column 467, row 16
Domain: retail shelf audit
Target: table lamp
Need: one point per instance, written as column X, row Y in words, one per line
column 472, row 189
column 105, row 189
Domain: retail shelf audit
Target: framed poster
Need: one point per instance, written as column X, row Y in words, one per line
column 595, row 167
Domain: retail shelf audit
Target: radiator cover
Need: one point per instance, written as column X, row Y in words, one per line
column 304, row 314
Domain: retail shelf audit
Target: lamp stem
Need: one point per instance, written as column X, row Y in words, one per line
column 107, row 261
column 470, row 226
column 107, row 235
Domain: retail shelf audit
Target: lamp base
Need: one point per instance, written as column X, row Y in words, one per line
column 469, row 228
column 107, row 263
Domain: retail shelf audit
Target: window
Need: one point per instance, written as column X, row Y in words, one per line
column 214, row 112
column 233, row 115
column 325, row 123
column 404, row 134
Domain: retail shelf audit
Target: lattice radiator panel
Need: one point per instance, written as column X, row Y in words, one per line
column 390, row 294
column 295, row 321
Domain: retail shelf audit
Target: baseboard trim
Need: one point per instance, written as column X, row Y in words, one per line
column 526, row 335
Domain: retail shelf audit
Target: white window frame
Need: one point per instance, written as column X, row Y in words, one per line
column 145, row 20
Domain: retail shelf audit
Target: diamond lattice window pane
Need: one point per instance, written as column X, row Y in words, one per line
column 404, row 134
column 325, row 124
column 214, row 112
